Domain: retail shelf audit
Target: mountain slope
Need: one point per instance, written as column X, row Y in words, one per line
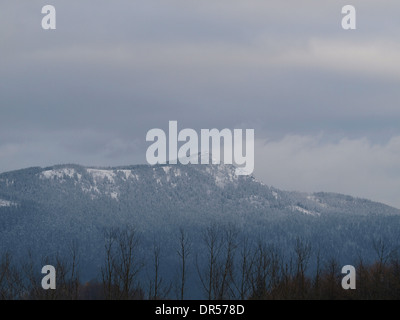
column 45, row 209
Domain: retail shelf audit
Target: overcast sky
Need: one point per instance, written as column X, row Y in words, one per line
column 324, row 102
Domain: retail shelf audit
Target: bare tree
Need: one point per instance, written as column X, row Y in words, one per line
column 122, row 264
column 266, row 275
column 259, row 273
column 107, row 271
column 29, row 276
column 317, row 279
column 74, row 280
column 157, row 289
column 185, row 248
column 224, row 284
column 9, row 284
column 287, row 271
column 382, row 251
column 242, row 283
column 67, row 274
column 302, row 253
column 208, row 277
column 31, row 281
column 332, row 280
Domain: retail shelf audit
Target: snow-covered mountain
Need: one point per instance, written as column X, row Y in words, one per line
column 44, row 209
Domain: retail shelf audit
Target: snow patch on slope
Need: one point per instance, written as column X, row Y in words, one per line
column 128, row 174
column 5, row 203
column 60, row 174
column 305, row 211
column 7, row 182
column 318, row 201
column 223, row 174
column 166, row 169
column 114, row 195
column 101, row 174
column 111, row 188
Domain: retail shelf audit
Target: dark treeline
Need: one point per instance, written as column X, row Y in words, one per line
column 228, row 266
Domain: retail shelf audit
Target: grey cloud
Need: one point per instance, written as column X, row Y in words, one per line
column 88, row 92
column 351, row 166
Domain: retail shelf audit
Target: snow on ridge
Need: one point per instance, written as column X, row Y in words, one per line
column 128, row 174
column 169, row 171
column 102, row 174
column 99, row 175
column 59, row 174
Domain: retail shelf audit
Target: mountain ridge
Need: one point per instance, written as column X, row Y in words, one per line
column 45, row 209
column 99, row 173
